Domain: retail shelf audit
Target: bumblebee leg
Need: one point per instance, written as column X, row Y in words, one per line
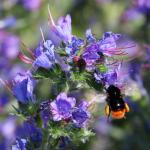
column 107, row 112
column 127, row 109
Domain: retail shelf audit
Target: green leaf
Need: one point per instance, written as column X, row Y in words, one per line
column 93, row 84
column 54, row 74
column 61, row 52
column 102, row 68
column 16, row 109
column 57, row 130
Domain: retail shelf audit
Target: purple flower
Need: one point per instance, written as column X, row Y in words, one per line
column 74, row 45
column 108, row 43
column 109, row 78
column 7, row 128
column 46, row 116
column 9, row 45
column 23, row 87
column 80, row 115
column 130, row 15
column 43, row 61
column 148, row 54
column 90, row 38
column 45, row 112
column 3, row 144
column 62, row 107
column 31, row 5
column 45, row 55
column 9, row 21
column 4, row 99
column 134, row 70
column 84, row 105
column 29, row 130
column 20, row 144
column 14, row 70
column 7, row 132
column 63, row 28
column 39, row 50
column 143, row 5
column 91, row 55
column 3, row 64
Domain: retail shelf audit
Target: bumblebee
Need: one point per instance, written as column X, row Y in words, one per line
column 80, row 63
column 116, row 107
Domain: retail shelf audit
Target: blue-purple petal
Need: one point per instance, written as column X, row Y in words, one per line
column 43, row 61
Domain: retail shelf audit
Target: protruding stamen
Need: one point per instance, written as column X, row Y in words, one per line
column 120, row 48
column 6, row 84
column 28, row 50
column 112, row 63
column 25, row 59
column 42, row 34
column 51, row 21
column 2, row 81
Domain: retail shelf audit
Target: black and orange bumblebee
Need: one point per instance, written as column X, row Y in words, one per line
column 116, row 107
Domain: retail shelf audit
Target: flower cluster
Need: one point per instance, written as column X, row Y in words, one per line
column 63, row 108
column 22, row 88
column 9, row 50
column 74, row 64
